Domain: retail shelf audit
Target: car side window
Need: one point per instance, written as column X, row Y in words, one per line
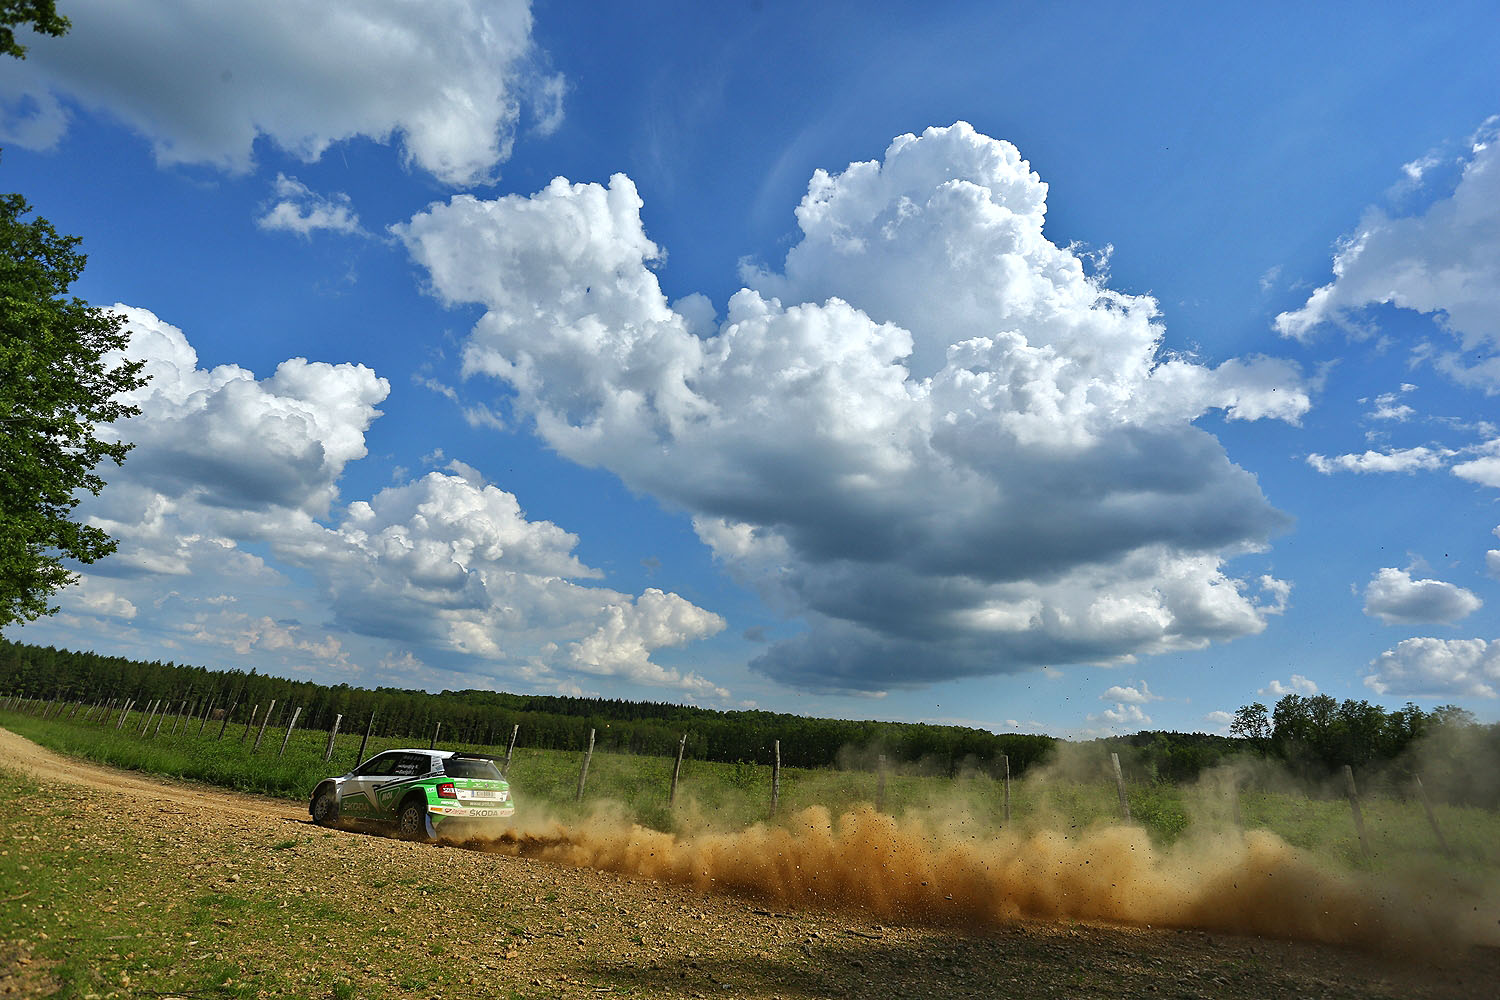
column 412, row 764
column 384, row 763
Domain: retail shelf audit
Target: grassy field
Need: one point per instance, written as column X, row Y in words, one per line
column 731, row 796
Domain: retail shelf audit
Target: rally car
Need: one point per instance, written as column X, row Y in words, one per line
column 421, row 792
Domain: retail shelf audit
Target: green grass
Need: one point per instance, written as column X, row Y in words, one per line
column 731, row 796
column 106, row 915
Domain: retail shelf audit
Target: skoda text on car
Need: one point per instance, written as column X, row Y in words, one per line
column 423, row 793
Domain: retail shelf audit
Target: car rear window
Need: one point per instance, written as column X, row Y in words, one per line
column 470, row 767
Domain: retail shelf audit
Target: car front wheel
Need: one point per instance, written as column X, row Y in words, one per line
column 325, row 807
column 412, row 823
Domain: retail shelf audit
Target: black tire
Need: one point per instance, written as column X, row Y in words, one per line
column 325, row 806
column 411, row 822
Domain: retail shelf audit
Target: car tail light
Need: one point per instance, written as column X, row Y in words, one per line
column 446, row 791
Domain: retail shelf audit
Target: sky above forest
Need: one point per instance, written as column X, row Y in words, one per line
column 1051, row 368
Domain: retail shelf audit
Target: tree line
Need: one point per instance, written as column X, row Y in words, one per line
column 1317, row 732
column 1312, row 737
column 552, row 722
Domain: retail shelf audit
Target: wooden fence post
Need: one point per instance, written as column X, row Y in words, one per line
column 676, row 771
column 366, row 741
column 249, row 722
column 1005, row 777
column 328, row 754
column 1114, row 759
column 206, row 713
column 184, row 714
column 150, row 714
column 1359, row 818
column 880, row 783
column 160, row 719
column 227, row 715
column 1431, row 816
column 583, row 775
column 288, row 737
column 435, row 730
column 775, row 776
column 515, row 731
column 261, row 732
column 124, row 712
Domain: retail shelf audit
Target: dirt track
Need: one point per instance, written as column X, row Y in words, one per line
column 528, row 928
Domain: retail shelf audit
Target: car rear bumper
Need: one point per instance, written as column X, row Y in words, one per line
column 472, row 812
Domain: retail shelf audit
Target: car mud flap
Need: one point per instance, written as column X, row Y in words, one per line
column 429, row 827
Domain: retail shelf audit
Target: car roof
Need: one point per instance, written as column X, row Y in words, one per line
column 441, row 754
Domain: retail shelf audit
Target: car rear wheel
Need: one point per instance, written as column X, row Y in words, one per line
column 325, row 807
column 412, row 822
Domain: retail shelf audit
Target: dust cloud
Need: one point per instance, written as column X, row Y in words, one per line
column 925, row 868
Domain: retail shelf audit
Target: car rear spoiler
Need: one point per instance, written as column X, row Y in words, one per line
column 469, row 755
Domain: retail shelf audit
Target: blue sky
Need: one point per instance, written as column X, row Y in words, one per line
column 1065, row 369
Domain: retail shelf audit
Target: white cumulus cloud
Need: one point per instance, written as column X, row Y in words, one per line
column 1298, row 685
column 1437, row 668
column 231, row 440
column 1484, row 470
column 202, row 80
column 299, row 210
column 932, row 437
column 1396, row 599
column 1127, row 695
column 1416, row 459
column 1388, row 406
column 232, row 536
column 1123, row 715
column 1220, row 720
column 1445, row 261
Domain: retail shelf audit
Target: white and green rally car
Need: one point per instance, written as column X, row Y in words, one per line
column 421, row 792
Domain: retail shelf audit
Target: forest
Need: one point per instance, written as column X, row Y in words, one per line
column 551, row 722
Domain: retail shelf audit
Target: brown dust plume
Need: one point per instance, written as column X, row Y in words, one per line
column 917, row 869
